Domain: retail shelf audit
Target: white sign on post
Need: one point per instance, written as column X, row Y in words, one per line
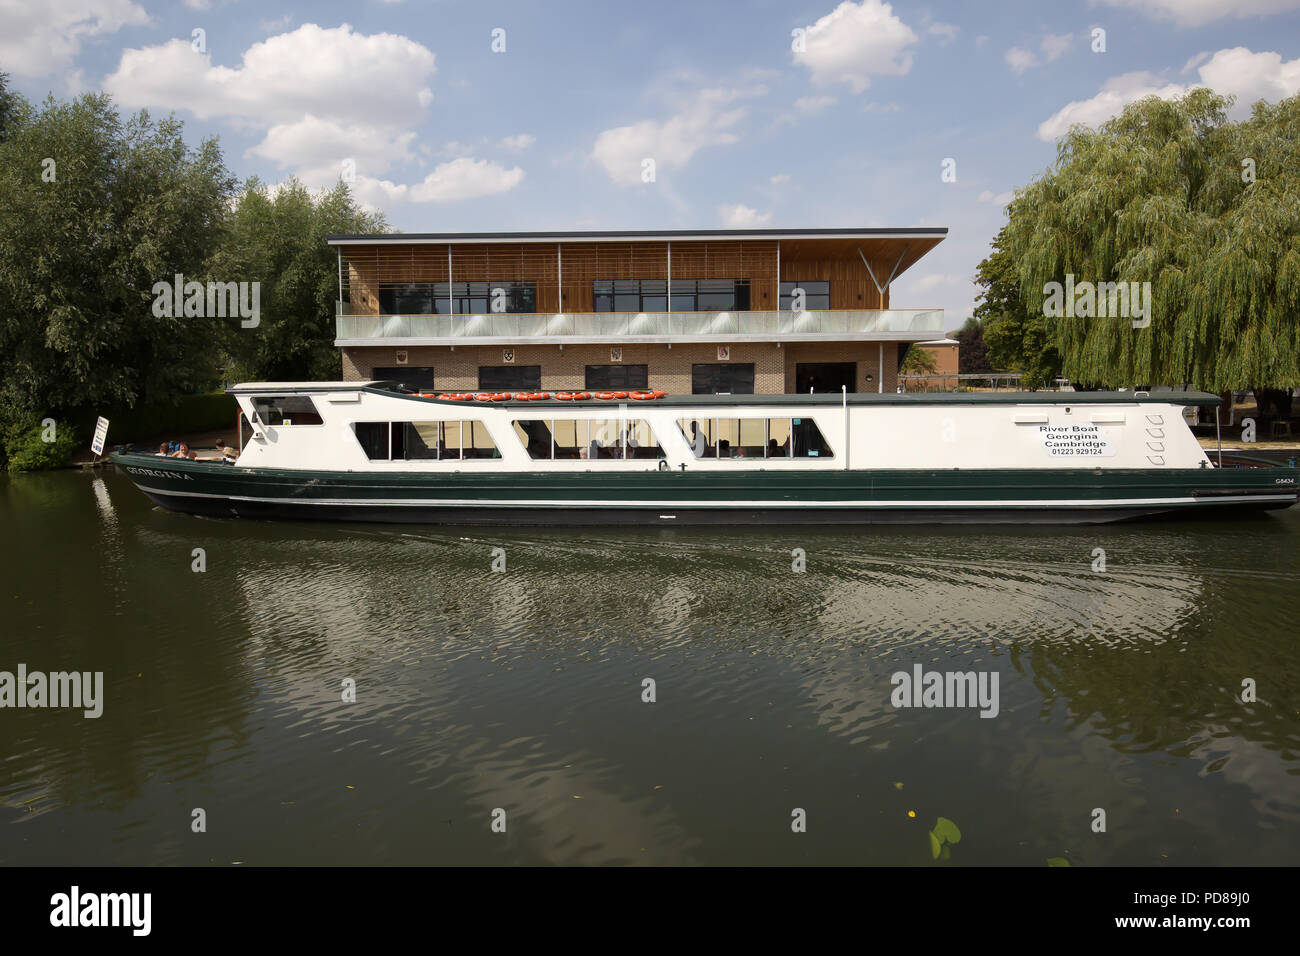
column 101, row 433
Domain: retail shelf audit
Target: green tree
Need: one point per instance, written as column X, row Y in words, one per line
column 918, row 361
column 1206, row 211
column 95, row 211
column 1016, row 338
column 972, row 355
column 277, row 237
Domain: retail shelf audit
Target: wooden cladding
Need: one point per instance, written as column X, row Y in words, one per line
column 578, row 264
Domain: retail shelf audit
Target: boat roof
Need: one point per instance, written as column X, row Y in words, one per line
column 826, row 398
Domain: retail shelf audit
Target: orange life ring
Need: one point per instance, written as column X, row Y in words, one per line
column 658, row 394
column 540, row 396
column 483, row 397
column 564, row 396
column 522, row 396
column 500, row 396
column 620, row 395
column 581, row 396
column 605, row 396
column 641, row 396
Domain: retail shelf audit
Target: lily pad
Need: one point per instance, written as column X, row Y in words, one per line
column 946, row 831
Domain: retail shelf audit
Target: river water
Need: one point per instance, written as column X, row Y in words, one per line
column 518, row 695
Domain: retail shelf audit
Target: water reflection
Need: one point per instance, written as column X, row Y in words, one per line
column 522, row 690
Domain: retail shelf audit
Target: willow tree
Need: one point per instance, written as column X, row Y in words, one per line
column 1206, row 211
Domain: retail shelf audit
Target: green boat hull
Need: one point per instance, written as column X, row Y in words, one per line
column 777, row 497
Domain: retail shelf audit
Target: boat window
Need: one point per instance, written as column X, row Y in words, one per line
column 286, row 410
column 425, row 441
column 754, row 438
column 594, row 439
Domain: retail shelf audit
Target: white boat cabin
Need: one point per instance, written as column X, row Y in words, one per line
column 373, row 427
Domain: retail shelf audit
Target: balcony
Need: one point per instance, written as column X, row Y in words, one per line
column 838, row 325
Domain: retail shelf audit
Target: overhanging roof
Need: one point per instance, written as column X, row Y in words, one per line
column 683, row 235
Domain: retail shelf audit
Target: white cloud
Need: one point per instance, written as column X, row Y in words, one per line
column 311, row 70
column 1196, row 13
column 1020, row 59
column 311, row 141
column 278, row 25
column 707, row 121
column 323, row 96
column 813, row 104
column 453, row 181
column 1053, row 46
column 856, row 41
column 1001, row 198
column 739, row 216
column 198, row 4
column 946, row 31
column 1237, row 72
column 517, row 143
column 881, row 108
column 39, row 39
column 779, row 178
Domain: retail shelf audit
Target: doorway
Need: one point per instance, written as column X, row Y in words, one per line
column 825, row 377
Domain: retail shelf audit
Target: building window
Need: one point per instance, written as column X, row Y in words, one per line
column 625, row 377
column 689, row 295
column 286, row 410
column 816, row 295
column 509, row 378
column 754, row 438
column 417, row 378
column 723, row 378
column 425, row 441
column 466, row 298
column 594, row 439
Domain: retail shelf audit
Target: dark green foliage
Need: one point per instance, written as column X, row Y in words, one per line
column 173, row 418
column 277, row 238
column 27, row 450
column 972, row 355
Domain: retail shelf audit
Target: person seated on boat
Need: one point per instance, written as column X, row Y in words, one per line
column 182, row 451
column 223, row 453
column 164, row 450
column 698, row 444
column 740, row 452
column 724, row 448
column 773, row 449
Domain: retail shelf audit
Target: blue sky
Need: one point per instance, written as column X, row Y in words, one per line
column 444, row 133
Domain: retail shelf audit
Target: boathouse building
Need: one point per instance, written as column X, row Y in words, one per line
column 689, row 312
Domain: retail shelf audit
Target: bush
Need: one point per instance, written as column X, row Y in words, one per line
column 27, row 449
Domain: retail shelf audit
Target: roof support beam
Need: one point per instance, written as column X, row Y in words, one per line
column 882, row 289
